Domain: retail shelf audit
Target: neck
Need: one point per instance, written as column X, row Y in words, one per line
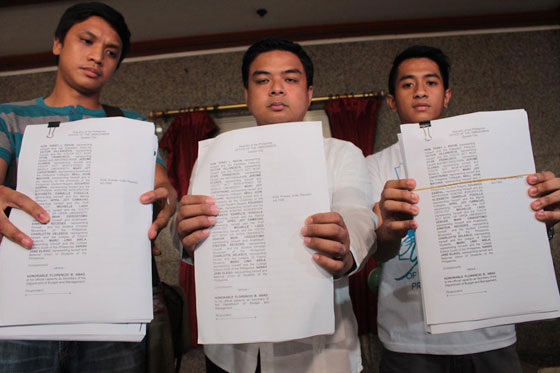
column 282, row 121
column 63, row 95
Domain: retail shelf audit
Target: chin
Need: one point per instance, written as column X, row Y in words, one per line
column 273, row 120
column 88, row 91
column 421, row 118
column 89, row 85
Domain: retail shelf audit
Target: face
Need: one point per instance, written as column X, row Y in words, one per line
column 277, row 89
column 419, row 91
column 88, row 56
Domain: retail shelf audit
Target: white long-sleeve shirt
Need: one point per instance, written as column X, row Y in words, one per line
column 350, row 195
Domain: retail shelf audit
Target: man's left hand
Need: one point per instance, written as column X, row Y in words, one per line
column 545, row 186
column 164, row 198
column 164, row 207
column 327, row 234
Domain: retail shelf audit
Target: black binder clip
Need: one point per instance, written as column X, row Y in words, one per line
column 52, row 126
column 426, row 127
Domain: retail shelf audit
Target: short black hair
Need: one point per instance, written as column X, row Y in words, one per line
column 272, row 44
column 421, row 51
column 80, row 12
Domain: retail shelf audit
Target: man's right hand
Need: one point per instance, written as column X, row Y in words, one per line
column 195, row 215
column 397, row 208
column 14, row 199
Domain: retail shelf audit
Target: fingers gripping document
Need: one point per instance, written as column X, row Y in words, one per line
column 255, row 279
column 484, row 259
column 91, row 262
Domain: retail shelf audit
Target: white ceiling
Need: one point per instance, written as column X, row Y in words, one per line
column 30, row 28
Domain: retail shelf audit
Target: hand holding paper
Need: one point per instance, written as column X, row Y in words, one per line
column 327, row 234
column 15, row 199
column 164, row 199
column 398, row 207
column 546, row 187
column 195, row 215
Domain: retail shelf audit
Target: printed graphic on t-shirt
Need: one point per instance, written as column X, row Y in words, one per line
column 408, row 259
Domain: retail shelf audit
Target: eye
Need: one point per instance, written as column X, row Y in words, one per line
column 112, row 54
column 87, row 41
column 261, row 81
column 432, row 83
column 407, row 85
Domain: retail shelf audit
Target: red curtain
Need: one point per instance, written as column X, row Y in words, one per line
column 181, row 143
column 354, row 120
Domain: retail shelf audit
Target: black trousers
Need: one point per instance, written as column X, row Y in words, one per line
column 494, row 361
column 213, row 368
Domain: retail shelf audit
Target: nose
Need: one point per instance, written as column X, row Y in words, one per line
column 96, row 55
column 420, row 91
column 277, row 87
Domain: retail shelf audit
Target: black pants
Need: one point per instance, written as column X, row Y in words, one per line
column 213, row 368
column 494, row 361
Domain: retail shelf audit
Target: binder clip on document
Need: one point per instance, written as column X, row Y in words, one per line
column 426, row 128
column 52, row 126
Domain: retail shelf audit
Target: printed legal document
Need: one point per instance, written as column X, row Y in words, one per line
column 133, row 332
column 484, row 259
column 256, row 281
column 91, row 263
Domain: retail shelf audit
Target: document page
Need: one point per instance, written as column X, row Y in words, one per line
column 75, row 332
column 484, row 259
column 91, row 262
column 255, row 279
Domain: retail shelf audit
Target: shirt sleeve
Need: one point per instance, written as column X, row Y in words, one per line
column 174, row 236
column 5, row 144
column 377, row 181
column 352, row 199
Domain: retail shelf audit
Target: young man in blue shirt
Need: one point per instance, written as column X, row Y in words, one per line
column 90, row 42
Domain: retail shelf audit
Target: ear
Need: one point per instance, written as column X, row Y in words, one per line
column 246, row 95
column 391, row 102
column 57, row 47
column 446, row 97
column 309, row 94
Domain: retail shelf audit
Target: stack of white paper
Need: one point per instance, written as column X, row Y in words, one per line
column 256, row 281
column 484, row 258
column 88, row 275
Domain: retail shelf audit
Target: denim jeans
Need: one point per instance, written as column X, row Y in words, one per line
column 67, row 357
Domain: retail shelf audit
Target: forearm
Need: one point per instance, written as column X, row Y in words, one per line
column 361, row 229
column 387, row 246
column 162, row 181
column 176, row 241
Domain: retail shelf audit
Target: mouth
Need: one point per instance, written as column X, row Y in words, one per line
column 91, row 72
column 277, row 106
column 421, row 106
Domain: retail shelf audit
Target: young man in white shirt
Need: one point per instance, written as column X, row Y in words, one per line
column 419, row 91
column 278, row 79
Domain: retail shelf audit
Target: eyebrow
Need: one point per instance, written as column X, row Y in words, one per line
column 292, row 71
column 410, row 76
column 260, row 72
column 289, row 71
column 115, row 46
